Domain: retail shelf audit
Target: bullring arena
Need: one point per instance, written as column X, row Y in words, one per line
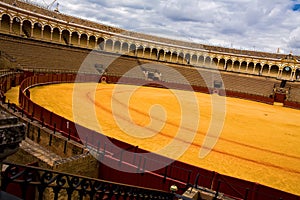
column 155, row 100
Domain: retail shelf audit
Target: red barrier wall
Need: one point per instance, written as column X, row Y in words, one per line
column 292, row 104
column 116, row 153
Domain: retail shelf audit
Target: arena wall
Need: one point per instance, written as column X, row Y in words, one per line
column 181, row 174
column 36, row 32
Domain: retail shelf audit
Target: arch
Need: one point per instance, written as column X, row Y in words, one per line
column 174, row 57
column 154, row 54
column 83, row 40
column 297, row 74
column 65, row 37
column 26, row 28
column 139, row 51
column 187, row 59
column 180, row 58
column 117, row 47
column 274, row 71
column 125, row 47
column 194, row 59
column 161, row 55
column 147, row 52
column 250, row 68
column 222, row 63
column 37, row 30
column 243, row 67
column 257, row 69
column 5, row 23
column 74, row 38
column 47, row 33
column 208, row 61
column 16, row 25
column 132, row 49
column 101, row 44
column 215, row 63
column 92, row 42
column 201, row 60
column 109, row 45
column 56, row 35
column 229, row 64
column 236, row 66
column 286, row 73
column 265, row 70
column 168, row 56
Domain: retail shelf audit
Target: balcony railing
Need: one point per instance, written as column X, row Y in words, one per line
column 37, row 183
column 26, row 179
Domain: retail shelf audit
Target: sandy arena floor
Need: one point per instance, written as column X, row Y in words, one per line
column 258, row 142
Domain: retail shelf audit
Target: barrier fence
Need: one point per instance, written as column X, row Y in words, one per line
column 44, row 116
column 122, row 156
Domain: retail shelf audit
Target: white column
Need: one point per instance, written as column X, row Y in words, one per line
column 78, row 42
column 70, row 38
column 87, row 41
column 279, row 73
column 51, row 34
column 31, row 32
column 10, row 25
column 121, row 45
column 60, row 33
column 247, row 66
column 42, row 32
column 21, row 25
column 269, row 70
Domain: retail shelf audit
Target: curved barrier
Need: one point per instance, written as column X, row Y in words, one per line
column 44, row 116
column 179, row 173
column 292, row 104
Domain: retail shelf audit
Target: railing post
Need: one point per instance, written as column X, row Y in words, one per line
column 1, row 177
column 165, row 175
column 246, row 194
column 32, row 115
column 121, row 158
column 104, row 151
column 42, row 119
column 189, row 177
column 50, row 120
column 39, row 135
column 144, row 166
column 217, row 191
column 98, row 147
column 138, row 167
column 196, row 181
column 50, row 139
column 54, row 130
column 69, row 134
column 28, row 129
column 65, row 146
column 86, row 141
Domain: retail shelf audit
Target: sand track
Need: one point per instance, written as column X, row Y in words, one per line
column 259, row 142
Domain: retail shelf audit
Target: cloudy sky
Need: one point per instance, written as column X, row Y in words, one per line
column 264, row 25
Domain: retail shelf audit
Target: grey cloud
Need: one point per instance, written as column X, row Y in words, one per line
column 267, row 24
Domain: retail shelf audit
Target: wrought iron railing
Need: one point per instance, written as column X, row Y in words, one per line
column 62, row 185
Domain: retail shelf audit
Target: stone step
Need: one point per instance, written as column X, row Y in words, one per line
column 40, row 152
column 7, row 119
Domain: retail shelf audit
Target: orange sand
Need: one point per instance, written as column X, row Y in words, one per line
column 259, row 142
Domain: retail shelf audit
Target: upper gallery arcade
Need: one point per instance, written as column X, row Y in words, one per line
column 22, row 19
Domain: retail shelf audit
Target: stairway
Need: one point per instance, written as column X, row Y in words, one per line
column 39, row 152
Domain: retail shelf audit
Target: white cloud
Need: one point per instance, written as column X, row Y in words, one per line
column 247, row 24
